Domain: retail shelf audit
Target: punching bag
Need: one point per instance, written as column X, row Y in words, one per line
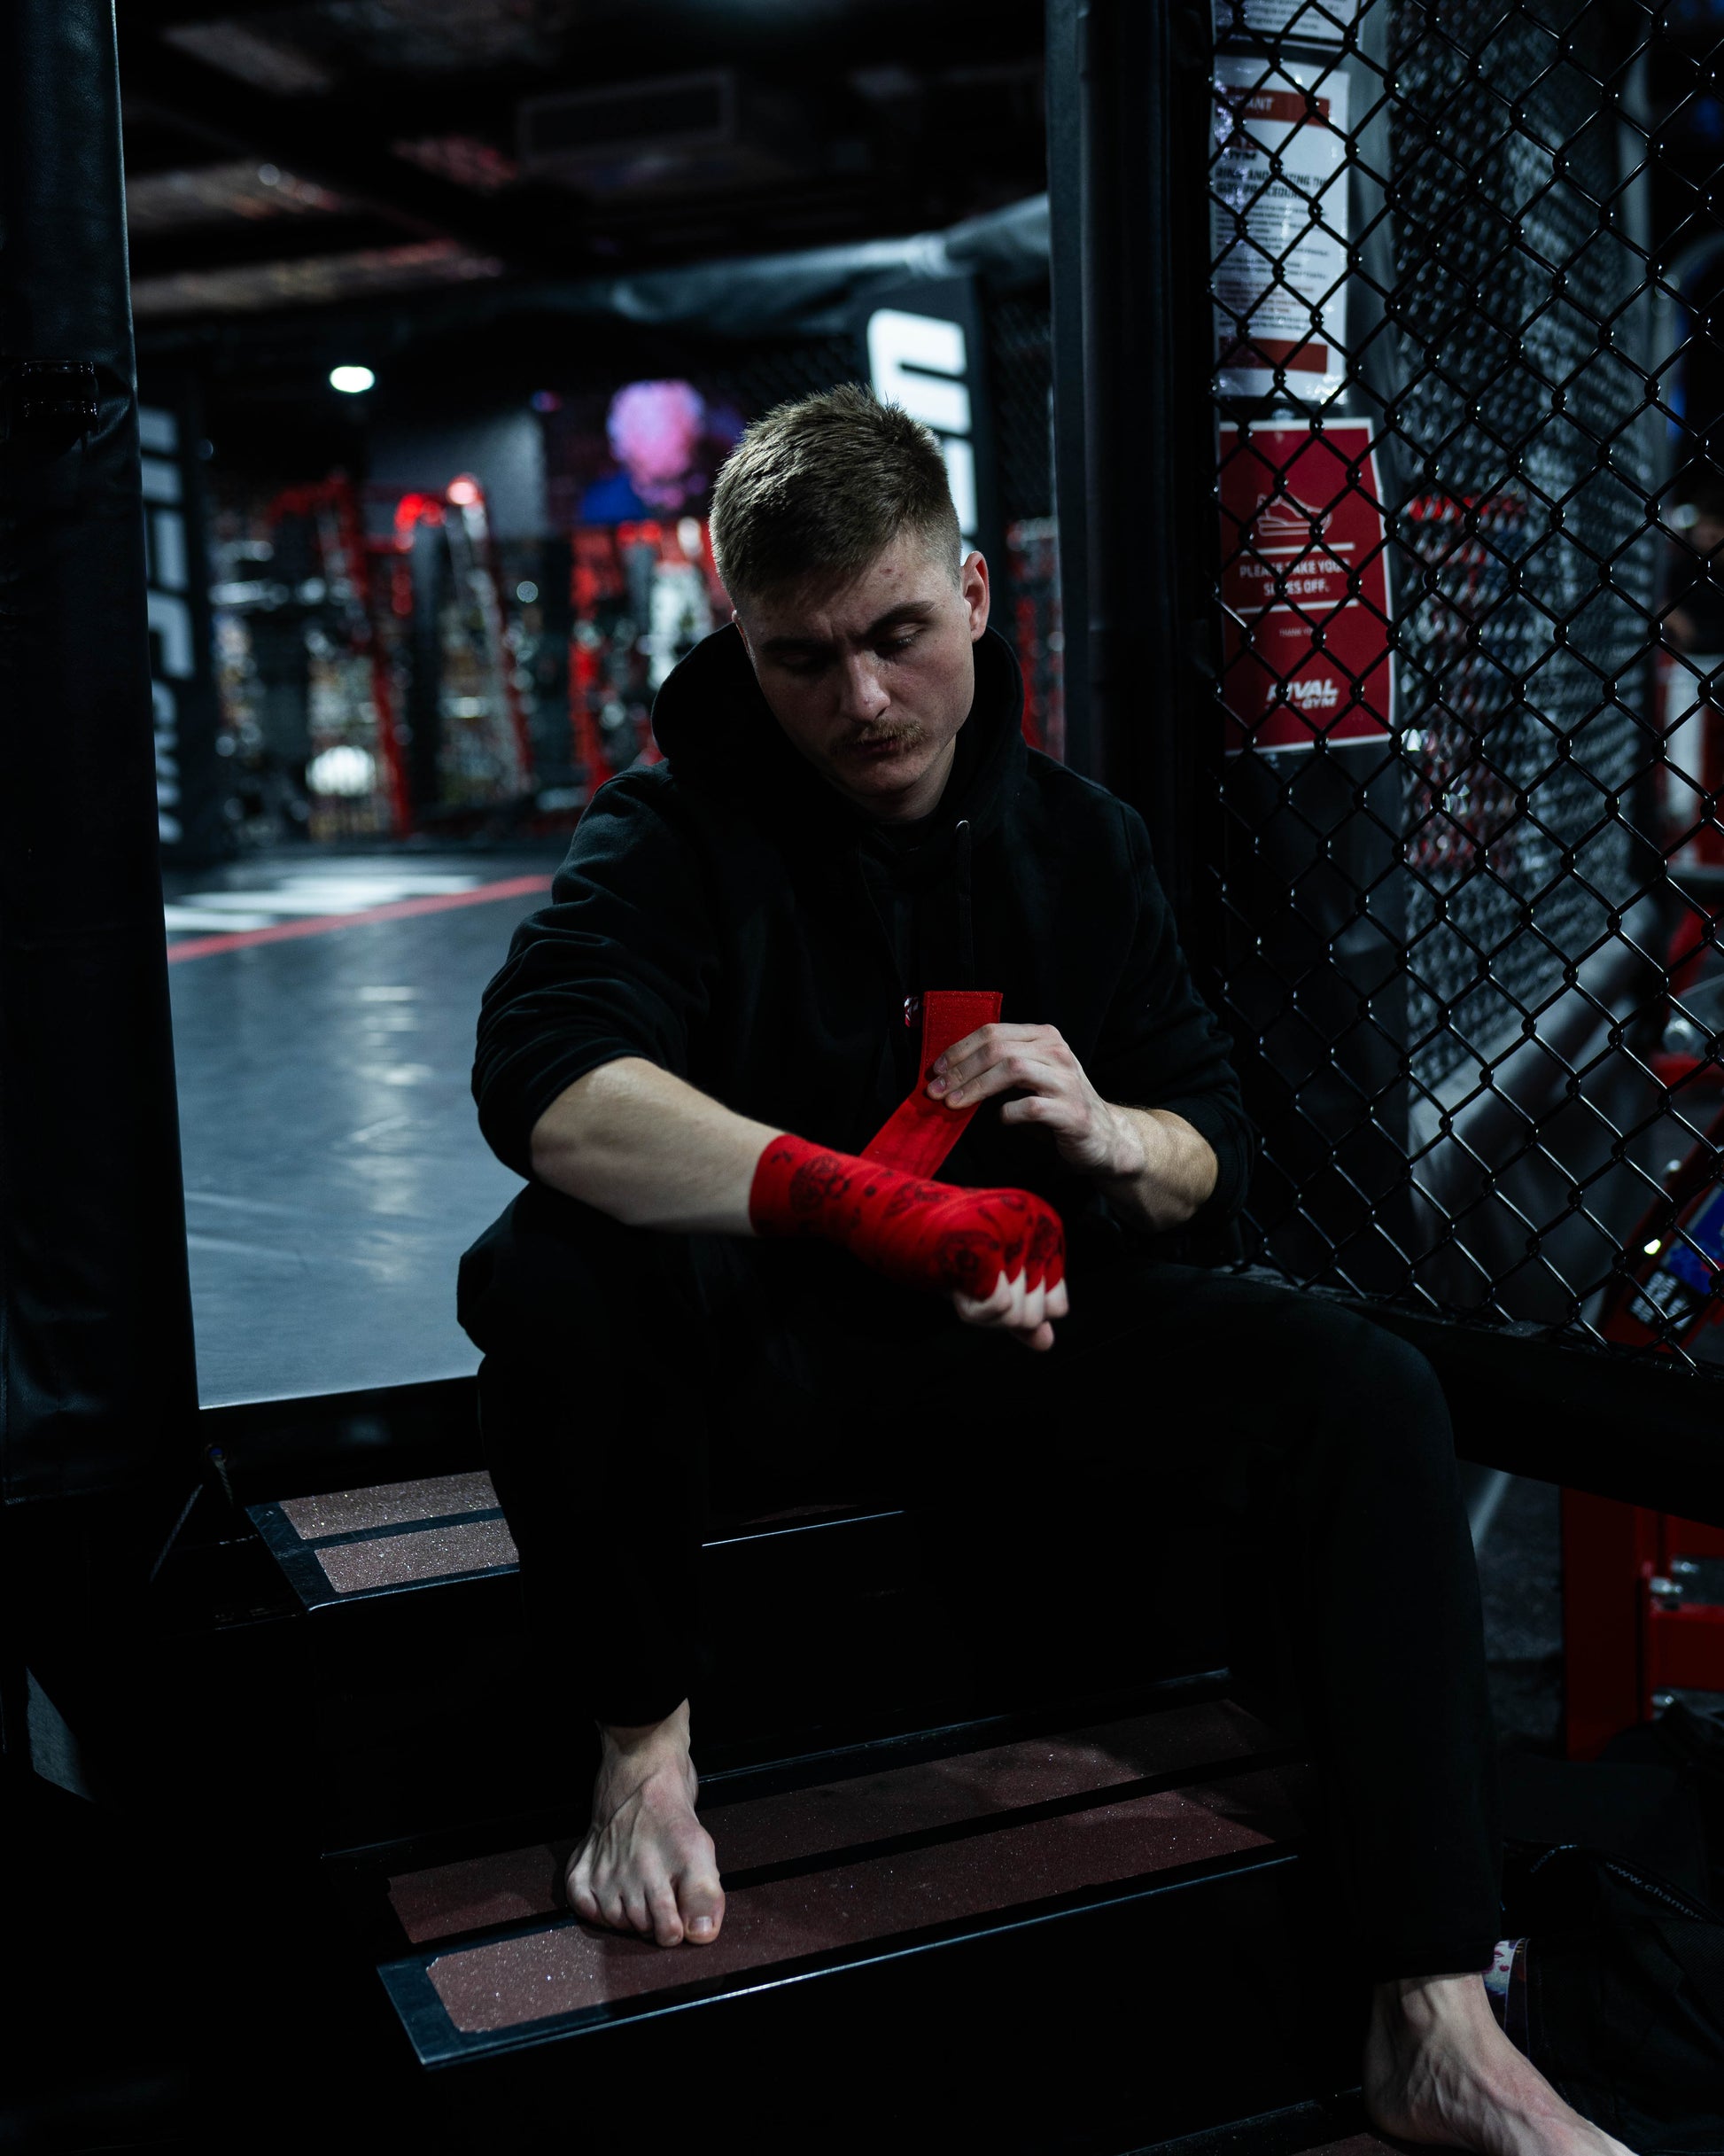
column 97, row 1389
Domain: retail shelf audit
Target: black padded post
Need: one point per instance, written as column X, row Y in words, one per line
column 1129, row 106
column 98, row 1390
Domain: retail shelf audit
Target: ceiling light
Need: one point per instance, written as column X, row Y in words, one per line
column 352, row 381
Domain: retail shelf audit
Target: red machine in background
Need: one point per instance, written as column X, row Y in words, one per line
column 395, row 650
column 643, row 594
column 1642, row 1616
column 1643, row 1590
column 353, row 721
column 481, row 752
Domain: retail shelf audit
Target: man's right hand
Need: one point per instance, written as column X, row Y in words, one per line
column 1023, row 1311
column 940, row 1237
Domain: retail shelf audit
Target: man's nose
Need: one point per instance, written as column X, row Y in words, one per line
column 861, row 693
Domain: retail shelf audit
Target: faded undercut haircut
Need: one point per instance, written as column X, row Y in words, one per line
column 819, row 488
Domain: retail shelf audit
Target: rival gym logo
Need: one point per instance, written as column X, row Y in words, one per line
column 173, row 652
column 1305, row 586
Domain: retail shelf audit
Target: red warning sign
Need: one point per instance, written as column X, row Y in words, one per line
column 1305, row 586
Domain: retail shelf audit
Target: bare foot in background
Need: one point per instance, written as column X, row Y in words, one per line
column 1438, row 2070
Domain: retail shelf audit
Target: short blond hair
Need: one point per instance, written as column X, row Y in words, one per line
column 819, row 488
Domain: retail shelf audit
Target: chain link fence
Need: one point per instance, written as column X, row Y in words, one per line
column 1469, row 743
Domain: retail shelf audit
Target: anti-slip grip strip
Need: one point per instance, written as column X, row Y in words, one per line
column 455, row 1906
column 972, row 1788
column 553, row 1980
column 402, row 1557
column 382, row 1505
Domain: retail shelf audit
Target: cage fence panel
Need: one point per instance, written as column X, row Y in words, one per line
column 1469, row 737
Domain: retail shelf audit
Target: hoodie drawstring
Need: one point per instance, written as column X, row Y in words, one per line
column 965, row 933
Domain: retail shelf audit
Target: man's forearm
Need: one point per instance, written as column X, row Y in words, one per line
column 1167, row 1168
column 653, row 1153
column 650, row 1150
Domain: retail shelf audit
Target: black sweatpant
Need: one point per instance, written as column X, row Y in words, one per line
column 1312, row 1448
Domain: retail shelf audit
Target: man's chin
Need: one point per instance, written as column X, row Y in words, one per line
column 901, row 763
column 886, row 777
column 882, row 778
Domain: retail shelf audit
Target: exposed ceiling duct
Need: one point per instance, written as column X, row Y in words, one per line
column 706, row 130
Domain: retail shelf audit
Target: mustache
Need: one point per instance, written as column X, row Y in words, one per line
column 882, row 735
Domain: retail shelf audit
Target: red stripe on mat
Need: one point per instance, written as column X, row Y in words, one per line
column 320, row 924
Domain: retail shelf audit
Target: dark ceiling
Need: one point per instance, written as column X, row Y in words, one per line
column 284, row 157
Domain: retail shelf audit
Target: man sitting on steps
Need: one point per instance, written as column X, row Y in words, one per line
column 854, row 1055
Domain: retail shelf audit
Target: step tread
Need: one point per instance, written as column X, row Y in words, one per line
column 459, row 1547
column 568, row 1965
column 843, row 1872
column 347, row 1512
column 441, row 1901
column 349, row 1545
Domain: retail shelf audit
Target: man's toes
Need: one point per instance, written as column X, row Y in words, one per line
column 635, row 1907
column 702, row 1900
column 666, row 1920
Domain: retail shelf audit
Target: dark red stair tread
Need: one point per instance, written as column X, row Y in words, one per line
column 505, row 1982
column 1355, row 2145
column 442, row 1902
column 446, row 1900
column 971, row 1784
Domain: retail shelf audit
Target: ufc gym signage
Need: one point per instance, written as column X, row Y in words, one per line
column 923, row 345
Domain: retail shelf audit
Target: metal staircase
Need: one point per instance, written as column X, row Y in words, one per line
column 956, row 1918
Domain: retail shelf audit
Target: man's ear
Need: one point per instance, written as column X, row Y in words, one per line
column 974, row 589
column 742, row 630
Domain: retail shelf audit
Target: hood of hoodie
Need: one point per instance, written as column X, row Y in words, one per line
column 719, row 736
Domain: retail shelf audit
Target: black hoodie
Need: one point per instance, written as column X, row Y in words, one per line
column 729, row 916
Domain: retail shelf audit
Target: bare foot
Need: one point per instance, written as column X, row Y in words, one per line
column 647, row 1865
column 1438, row 2070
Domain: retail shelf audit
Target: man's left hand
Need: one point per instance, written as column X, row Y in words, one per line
column 1034, row 1063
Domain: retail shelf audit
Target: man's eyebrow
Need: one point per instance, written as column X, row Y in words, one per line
column 910, row 611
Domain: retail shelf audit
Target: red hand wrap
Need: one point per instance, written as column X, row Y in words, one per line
column 921, row 1131
column 919, row 1233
